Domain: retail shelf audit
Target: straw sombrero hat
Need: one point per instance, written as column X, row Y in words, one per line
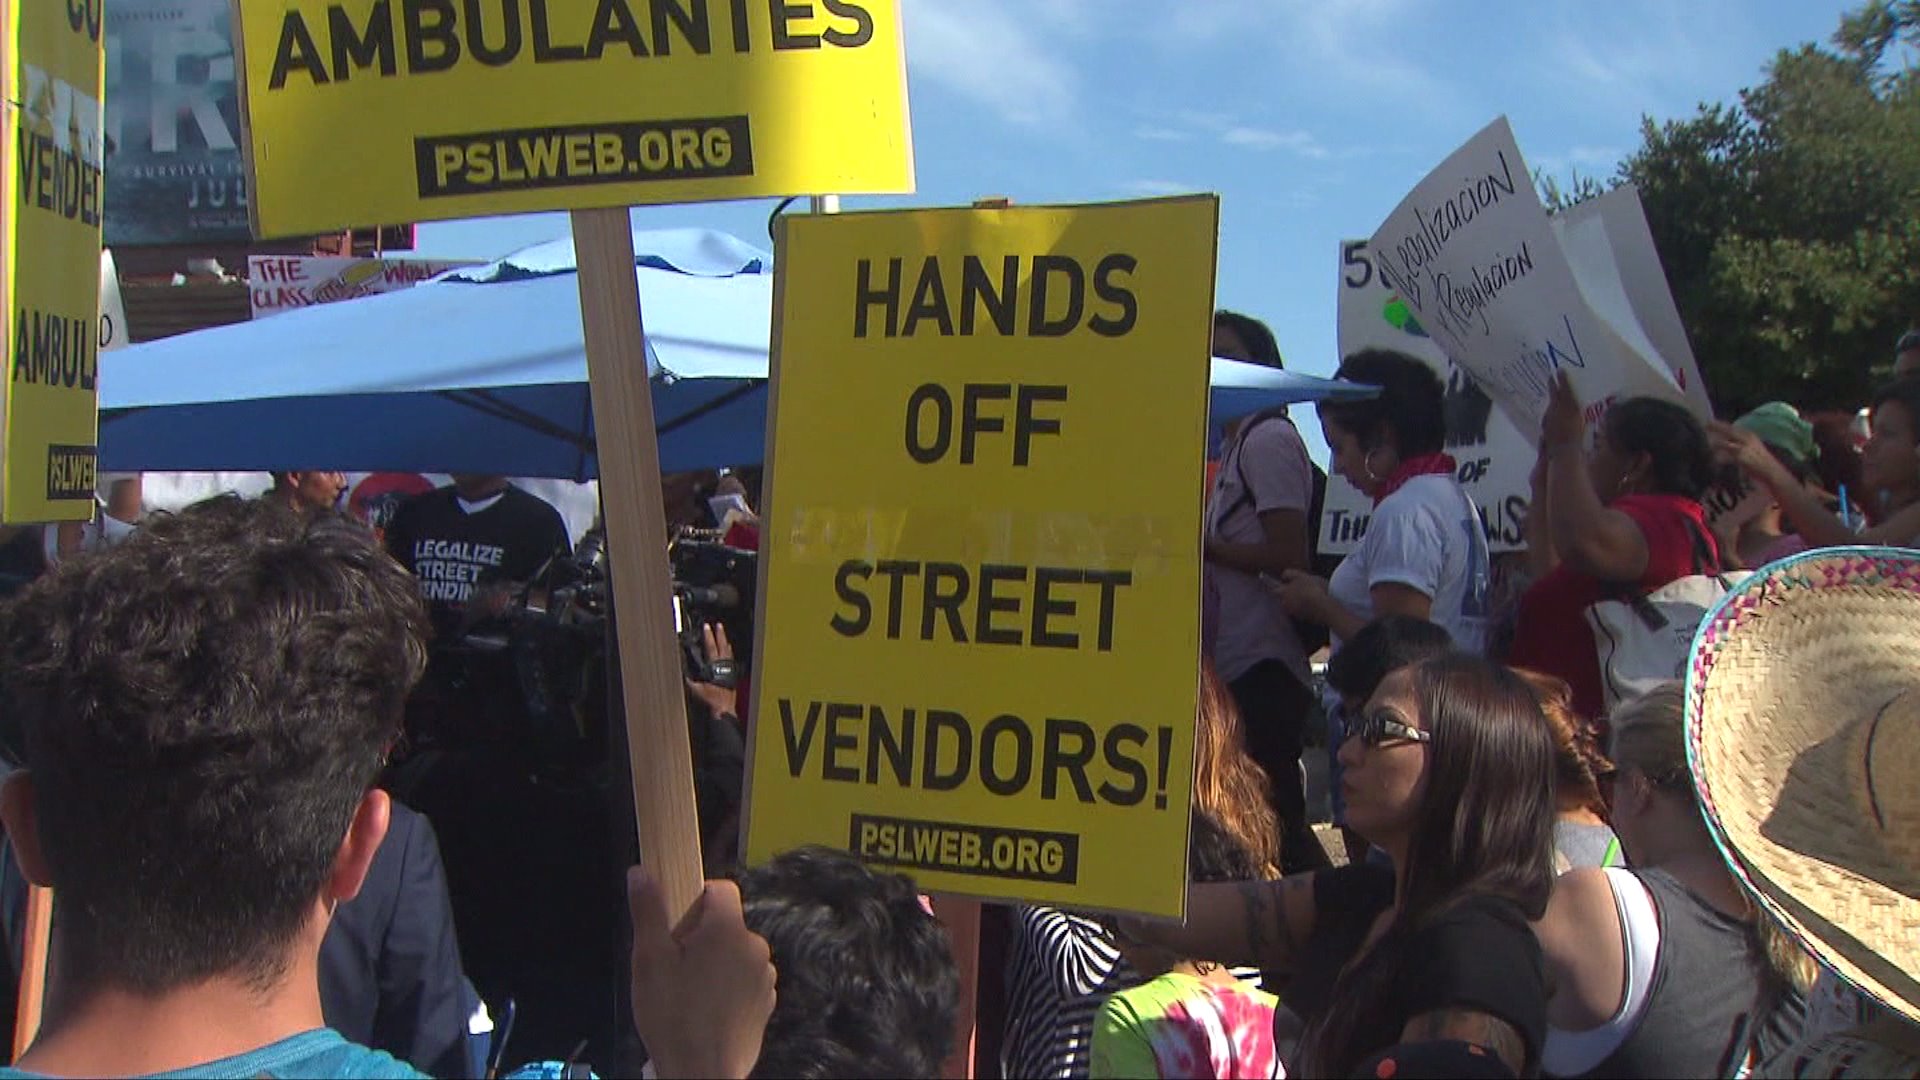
column 1803, row 733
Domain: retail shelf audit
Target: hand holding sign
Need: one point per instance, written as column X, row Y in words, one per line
column 1562, row 424
column 702, row 991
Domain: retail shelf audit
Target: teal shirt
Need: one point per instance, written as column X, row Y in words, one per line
column 321, row 1052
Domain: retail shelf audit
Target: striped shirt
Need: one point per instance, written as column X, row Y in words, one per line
column 1061, row 968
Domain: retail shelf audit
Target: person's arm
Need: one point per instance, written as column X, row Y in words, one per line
column 1541, row 558
column 1598, row 542
column 702, row 990
column 1239, row 923
column 1580, row 943
column 1284, row 549
column 1801, row 504
column 1305, row 597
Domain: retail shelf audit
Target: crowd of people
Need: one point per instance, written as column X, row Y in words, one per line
column 1545, row 860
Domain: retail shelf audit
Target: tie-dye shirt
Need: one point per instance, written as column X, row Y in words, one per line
column 1179, row 1025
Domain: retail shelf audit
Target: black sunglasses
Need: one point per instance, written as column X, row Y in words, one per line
column 1377, row 727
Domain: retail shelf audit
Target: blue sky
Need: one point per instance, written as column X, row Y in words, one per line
column 1310, row 118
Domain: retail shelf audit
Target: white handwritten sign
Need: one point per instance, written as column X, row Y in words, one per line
column 277, row 283
column 1473, row 255
column 1611, row 247
column 1493, row 456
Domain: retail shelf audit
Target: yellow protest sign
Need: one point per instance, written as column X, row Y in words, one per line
column 378, row 110
column 51, row 161
column 980, row 623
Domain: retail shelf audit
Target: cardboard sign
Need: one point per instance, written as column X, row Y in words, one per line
column 175, row 174
column 1494, row 457
column 52, row 167
column 980, row 623
column 1611, row 247
column 1472, row 254
column 377, row 110
column 277, row 283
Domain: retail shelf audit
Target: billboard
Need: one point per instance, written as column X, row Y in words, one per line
column 175, row 174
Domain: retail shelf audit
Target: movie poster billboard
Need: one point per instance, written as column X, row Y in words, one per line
column 174, row 168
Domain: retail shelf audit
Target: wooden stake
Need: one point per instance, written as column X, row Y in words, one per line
column 33, row 968
column 653, row 685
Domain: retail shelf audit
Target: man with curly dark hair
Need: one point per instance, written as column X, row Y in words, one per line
column 868, row 986
column 202, row 713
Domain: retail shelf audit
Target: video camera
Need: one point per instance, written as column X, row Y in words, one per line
column 712, row 583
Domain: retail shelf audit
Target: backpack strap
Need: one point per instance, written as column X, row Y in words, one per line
column 1240, row 461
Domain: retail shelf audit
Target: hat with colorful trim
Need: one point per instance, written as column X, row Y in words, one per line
column 1803, row 734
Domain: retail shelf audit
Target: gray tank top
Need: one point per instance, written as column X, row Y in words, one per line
column 1707, row 984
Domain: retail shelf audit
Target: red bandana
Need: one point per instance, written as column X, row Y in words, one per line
column 1425, row 465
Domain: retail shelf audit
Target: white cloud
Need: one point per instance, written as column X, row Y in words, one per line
column 1298, row 142
column 1160, row 187
column 986, row 53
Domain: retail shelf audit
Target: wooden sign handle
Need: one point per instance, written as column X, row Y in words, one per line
column 654, row 693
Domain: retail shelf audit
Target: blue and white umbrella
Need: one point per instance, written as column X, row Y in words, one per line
column 483, row 370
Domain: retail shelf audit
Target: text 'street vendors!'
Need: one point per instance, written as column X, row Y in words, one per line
column 983, row 547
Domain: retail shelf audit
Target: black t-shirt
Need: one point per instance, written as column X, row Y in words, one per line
column 452, row 551
column 1477, row 954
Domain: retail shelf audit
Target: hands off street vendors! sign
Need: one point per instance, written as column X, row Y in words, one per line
column 460, row 110
column 980, row 626
column 1474, row 257
column 51, row 160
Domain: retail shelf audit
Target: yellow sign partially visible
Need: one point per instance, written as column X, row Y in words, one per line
column 980, row 608
column 51, row 161
column 378, row 110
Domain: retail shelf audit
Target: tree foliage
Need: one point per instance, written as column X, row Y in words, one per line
column 1789, row 224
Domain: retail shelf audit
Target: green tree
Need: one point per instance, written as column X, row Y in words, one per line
column 1789, row 224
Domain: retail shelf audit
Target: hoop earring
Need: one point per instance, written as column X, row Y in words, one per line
column 1368, row 462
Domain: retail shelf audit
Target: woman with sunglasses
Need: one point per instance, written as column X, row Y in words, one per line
column 1660, row 970
column 1449, row 770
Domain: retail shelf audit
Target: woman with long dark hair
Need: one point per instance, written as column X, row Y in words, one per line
column 1449, row 770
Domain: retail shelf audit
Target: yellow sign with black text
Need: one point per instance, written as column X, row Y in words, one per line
column 378, row 110
column 977, row 656
column 51, row 162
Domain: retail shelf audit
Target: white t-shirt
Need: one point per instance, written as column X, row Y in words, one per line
column 1252, row 626
column 1426, row 536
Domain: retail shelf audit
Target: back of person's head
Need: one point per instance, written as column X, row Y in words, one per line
column 201, row 711
column 1679, row 458
column 1215, row 854
column 1260, row 346
column 1228, row 785
column 1650, row 738
column 1485, row 823
column 1409, row 412
column 868, row 986
column 1382, row 647
column 1578, row 762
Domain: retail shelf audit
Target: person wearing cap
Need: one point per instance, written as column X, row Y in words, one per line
column 1755, row 531
column 1803, row 736
column 1889, row 470
column 1906, row 354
